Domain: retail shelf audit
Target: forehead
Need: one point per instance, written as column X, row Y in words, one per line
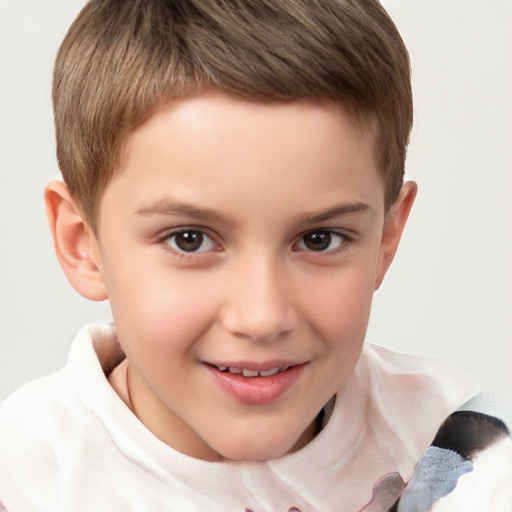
column 217, row 146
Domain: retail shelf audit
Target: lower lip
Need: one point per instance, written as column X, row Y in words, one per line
column 256, row 390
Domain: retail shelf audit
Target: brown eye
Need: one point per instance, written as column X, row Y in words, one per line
column 190, row 241
column 319, row 241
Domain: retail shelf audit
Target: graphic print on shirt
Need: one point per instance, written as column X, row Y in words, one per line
column 386, row 492
column 292, row 509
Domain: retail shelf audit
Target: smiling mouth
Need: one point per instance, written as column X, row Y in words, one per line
column 253, row 373
column 256, row 384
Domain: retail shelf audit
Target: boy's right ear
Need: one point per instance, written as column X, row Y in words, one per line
column 75, row 243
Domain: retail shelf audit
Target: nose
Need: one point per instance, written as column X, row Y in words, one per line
column 260, row 303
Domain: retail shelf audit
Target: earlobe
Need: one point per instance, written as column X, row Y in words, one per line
column 75, row 244
column 394, row 225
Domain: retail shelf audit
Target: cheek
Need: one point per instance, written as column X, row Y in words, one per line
column 157, row 311
column 339, row 313
column 341, row 318
column 341, row 304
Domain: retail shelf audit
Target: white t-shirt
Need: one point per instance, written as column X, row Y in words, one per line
column 69, row 443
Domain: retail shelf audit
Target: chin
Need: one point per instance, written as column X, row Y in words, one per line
column 261, row 437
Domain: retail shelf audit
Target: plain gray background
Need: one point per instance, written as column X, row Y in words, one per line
column 449, row 292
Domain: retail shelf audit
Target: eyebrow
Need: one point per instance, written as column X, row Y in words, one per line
column 169, row 207
column 337, row 211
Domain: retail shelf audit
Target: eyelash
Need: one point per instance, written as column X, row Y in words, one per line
column 344, row 242
column 170, row 236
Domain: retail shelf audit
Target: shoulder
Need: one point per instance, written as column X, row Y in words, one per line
column 412, row 395
column 57, row 409
column 51, row 425
column 35, row 416
column 35, row 426
column 36, row 399
column 428, row 369
column 405, row 399
column 399, row 380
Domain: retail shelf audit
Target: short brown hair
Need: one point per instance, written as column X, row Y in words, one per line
column 122, row 58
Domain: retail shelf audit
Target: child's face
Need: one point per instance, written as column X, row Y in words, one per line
column 241, row 235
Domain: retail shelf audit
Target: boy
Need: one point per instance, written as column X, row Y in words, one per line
column 234, row 186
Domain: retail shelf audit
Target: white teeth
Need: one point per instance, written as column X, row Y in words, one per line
column 250, row 373
column 253, row 373
column 268, row 373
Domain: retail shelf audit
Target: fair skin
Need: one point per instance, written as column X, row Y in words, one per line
column 238, row 235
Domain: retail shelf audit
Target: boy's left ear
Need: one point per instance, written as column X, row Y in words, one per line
column 394, row 224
